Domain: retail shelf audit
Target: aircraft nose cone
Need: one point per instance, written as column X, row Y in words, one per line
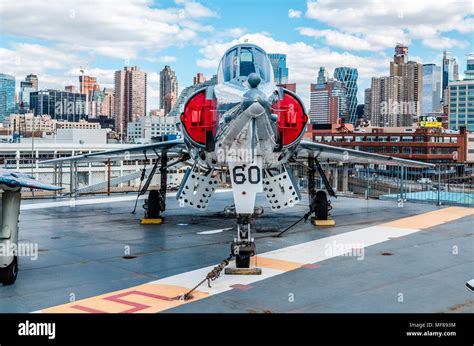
column 253, row 80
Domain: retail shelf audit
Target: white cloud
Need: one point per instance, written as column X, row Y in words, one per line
column 106, row 27
column 193, row 9
column 104, row 77
column 444, row 43
column 294, row 13
column 25, row 58
column 153, row 77
column 339, row 39
column 233, row 32
column 383, row 24
column 166, row 59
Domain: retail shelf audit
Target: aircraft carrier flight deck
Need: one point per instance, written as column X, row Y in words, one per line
column 93, row 256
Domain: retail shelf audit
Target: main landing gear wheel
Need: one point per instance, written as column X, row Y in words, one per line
column 322, row 206
column 154, row 204
column 9, row 274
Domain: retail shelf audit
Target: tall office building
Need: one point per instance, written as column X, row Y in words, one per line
column 469, row 72
column 33, row 79
column 367, row 103
column 461, row 104
column 59, row 104
column 95, row 103
column 7, row 95
column 280, row 71
column 199, row 79
column 168, row 89
column 130, row 97
column 411, row 88
column 108, row 104
column 396, row 100
column 328, row 103
column 431, row 99
column 24, row 96
column 385, row 110
column 88, row 84
column 348, row 76
column 323, row 75
column 450, row 73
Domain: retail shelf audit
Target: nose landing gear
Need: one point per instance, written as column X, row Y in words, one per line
column 243, row 248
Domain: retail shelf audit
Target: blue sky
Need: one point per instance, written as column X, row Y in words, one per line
column 54, row 38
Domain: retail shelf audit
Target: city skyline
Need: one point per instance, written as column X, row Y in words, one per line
column 190, row 36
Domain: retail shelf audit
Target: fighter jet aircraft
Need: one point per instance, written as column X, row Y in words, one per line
column 11, row 183
column 248, row 126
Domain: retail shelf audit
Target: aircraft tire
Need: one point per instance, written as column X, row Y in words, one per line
column 322, row 207
column 242, row 261
column 153, row 210
column 9, row 274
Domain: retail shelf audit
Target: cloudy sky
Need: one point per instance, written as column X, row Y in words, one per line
column 54, row 38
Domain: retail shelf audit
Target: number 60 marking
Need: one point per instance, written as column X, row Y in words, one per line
column 239, row 177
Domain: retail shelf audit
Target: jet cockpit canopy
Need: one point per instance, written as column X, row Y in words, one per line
column 241, row 60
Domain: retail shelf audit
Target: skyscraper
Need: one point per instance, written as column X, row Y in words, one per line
column 348, row 76
column 88, row 84
column 431, row 100
column 280, row 71
column 450, row 72
column 367, row 103
column 328, row 103
column 7, row 95
column 168, row 89
column 33, row 79
column 24, row 97
column 199, row 79
column 385, row 107
column 410, row 96
column 396, row 100
column 108, row 105
column 59, row 104
column 469, row 72
column 130, row 97
column 461, row 104
column 323, row 75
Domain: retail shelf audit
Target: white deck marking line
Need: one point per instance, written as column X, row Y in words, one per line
column 214, row 231
column 305, row 253
column 76, row 202
column 322, row 249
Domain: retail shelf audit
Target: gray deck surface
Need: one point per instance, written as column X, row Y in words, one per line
column 82, row 249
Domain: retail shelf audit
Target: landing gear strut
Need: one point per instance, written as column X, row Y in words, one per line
column 243, row 247
column 319, row 204
column 155, row 205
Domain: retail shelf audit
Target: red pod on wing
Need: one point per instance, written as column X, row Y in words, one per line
column 200, row 116
column 292, row 120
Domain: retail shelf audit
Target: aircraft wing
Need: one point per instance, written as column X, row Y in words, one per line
column 128, row 153
column 324, row 152
column 14, row 179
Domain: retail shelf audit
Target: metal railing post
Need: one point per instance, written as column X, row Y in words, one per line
column 439, row 184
